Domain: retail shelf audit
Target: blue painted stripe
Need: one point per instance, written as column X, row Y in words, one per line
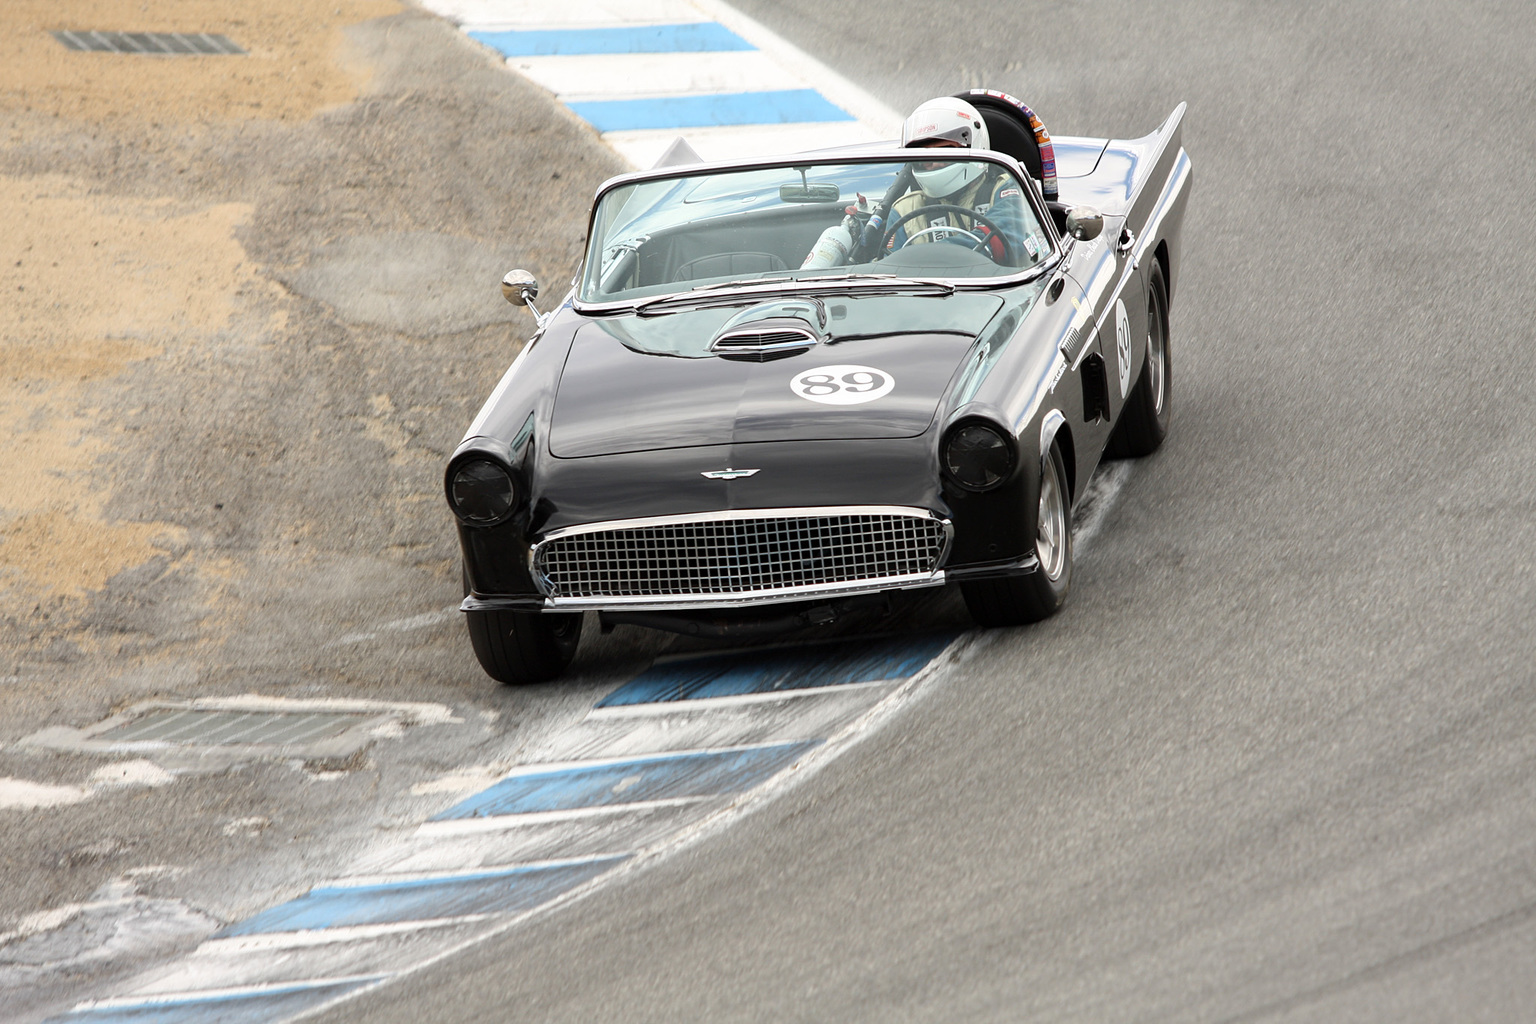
column 667, row 776
column 694, row 37
column 783, row 106
column 236, row 1008
column 797, row 668
column 498, row 892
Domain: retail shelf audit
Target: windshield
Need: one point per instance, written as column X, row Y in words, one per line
column 944, row 219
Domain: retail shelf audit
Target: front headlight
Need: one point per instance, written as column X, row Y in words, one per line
column 481, row 492
column 977, row 457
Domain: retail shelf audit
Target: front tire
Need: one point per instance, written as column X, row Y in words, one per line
column 1016, row 600
column 523, row 647
column 1144, row 421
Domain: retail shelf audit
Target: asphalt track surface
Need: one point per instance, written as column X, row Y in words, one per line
column 1275, row 761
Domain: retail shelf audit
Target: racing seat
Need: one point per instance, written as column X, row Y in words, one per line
column 729, row 264
column 1009, row 124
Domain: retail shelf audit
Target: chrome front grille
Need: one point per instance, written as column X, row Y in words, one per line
column 741, row 555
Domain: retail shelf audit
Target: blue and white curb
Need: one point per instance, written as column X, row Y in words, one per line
column 644, row 72
column 672, row 756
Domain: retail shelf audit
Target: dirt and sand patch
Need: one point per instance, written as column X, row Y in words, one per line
column 250, row 303
column 296, row 62
column 93, row 284
column 238, row 348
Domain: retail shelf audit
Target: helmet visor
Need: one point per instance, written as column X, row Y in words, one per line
column 934, row 143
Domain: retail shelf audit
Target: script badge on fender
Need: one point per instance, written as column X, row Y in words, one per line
column 842, row 385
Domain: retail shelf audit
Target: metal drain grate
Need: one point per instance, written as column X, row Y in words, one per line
column 158, row 44
column 268, row 728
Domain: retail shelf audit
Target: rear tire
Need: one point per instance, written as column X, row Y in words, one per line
column 1016, row 600
column 1144, row 421
column 523, row 647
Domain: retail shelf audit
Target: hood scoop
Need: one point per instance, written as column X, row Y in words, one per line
column 772, row 330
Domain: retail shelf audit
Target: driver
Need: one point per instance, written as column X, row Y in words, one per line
column 950, row 123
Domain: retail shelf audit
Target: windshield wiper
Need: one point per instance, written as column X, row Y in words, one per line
column 884, row 280
column 745, row 282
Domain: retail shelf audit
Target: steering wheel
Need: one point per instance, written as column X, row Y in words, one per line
column 966, row 211
column 914, row 236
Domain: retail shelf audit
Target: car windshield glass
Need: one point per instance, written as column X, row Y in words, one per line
column 945, row 219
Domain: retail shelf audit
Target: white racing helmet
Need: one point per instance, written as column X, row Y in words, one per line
column 954, row 121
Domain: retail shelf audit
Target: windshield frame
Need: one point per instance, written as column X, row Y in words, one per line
column 751, row 290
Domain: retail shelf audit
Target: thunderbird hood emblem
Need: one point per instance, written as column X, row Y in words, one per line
column 729, row 474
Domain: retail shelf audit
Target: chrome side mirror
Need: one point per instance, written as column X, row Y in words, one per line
column 520, row 288
column 1084, row 223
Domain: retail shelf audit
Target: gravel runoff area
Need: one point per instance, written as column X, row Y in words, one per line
column 251, row 304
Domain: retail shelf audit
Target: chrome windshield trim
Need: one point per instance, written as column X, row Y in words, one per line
column 934, row 578
column 677, row 302
column 891, row 155
column 888, row 284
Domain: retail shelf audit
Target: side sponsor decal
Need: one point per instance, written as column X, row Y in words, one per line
column 1123, row 346
column 843, row 384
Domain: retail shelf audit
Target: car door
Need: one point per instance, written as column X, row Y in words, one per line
column 1111, row 306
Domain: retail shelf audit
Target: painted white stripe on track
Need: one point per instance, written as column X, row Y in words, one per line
column 492, row 823
column 542, row 14
column 674, row 707
column 616, row 76
column 581, row 764
column 160, row 999
column 451, row 874
column 214, row 967
column 523, row 842
column 816, row 714
column 237, row 945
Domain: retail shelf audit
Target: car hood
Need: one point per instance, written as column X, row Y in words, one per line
column 635, row 384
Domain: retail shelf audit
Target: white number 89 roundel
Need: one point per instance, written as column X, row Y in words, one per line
column 842, row 385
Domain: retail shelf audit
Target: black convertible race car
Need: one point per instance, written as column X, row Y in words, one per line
column 779, row 390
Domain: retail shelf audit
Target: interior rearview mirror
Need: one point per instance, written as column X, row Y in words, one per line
column 811, row 192
column 1084, row 223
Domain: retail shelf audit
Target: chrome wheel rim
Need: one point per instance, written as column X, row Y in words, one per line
column 1051, row 526
column 1156, row 355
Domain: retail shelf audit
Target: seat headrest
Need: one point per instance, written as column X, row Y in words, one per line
column 1019, row 133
